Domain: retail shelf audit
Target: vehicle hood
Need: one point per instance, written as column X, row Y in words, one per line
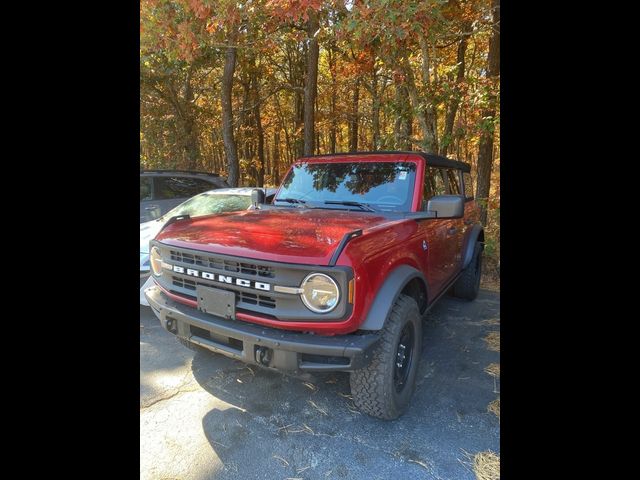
column 148, row 231
column 295, row 235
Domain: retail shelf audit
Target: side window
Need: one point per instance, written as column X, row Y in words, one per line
column 175, row 187
column 454, row 181
column 433, row 183
column 203, row 185
column 468, row 185
column 145, row 188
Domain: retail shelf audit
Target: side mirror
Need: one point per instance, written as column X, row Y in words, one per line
column 257, row 197
column 446, row 206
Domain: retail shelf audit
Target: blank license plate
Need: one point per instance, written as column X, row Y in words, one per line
column 216, row 302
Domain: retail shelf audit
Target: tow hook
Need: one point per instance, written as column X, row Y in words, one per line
column 263, row 355
column 171, row 325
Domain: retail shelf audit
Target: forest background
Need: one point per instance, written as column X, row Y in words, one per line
column 244, row 88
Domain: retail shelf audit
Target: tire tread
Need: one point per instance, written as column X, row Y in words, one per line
column 466, row 285
column 368, row 384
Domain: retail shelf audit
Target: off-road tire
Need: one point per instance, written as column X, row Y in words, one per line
column 372, row 387
column 468, row 284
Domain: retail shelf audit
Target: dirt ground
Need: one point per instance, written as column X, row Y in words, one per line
column 204, row 416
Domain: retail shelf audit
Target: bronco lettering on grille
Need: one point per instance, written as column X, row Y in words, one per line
column 216, row 277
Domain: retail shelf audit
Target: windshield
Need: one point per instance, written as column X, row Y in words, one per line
column 209, row 203
column 380, row 185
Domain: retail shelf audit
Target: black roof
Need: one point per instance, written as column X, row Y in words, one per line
column 435, row 160
column 189, row 172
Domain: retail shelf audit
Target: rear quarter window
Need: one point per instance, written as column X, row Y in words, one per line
column 453, row 177
column 433, row 183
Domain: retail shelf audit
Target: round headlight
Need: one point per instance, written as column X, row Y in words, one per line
column 156, row 261
column 320, row 293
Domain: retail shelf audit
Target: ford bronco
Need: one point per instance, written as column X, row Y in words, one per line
column 336, row 274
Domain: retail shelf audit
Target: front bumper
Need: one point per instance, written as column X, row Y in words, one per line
column 255, row 344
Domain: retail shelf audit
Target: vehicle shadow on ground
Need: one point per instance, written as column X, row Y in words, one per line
column 308, row 426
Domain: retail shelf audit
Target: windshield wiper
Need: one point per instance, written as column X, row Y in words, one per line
column 290, row 200
column 363, row 206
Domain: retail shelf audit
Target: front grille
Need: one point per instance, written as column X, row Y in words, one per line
column 268, row 304
column 223, row 265
column 241, row 297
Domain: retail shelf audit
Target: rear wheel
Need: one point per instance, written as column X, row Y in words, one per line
column 468, row 285
column 383, row 389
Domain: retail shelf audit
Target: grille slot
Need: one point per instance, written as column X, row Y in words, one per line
column 223, row 265
column 184, row 283
column 241, row 297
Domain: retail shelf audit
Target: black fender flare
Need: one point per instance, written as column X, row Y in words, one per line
column 470, row 245
column 388, row 294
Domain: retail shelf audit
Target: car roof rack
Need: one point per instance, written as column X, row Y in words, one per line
column 435, row 160
column 190, row 172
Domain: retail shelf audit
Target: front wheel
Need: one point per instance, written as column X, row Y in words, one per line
column 384, row 388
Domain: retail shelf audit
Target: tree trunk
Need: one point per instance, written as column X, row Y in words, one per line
column 334, row 93
column 311, row 84
column 283, row 125
column 191, row 145
column 353, row 120
column 403, row 126
column 428, row 115
column 183, row 131
column 267, row 158
column 428, row 141
column 296, row 78
column 317, row 144
column 407, row 130
column 375, row 113
column 375, row 140
column 276, row 157
column 447, row 137
column 230, row 149
column 259, row 131
column 485, row 147
column 216, row 153
column 245, row 137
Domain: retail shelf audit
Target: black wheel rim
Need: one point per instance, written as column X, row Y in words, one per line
column 404, row 357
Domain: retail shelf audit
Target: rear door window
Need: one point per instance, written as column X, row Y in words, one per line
column 179, row 187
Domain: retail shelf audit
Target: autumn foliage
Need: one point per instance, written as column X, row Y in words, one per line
column 391, row 74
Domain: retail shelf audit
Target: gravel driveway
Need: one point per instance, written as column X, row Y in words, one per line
column 206, row 416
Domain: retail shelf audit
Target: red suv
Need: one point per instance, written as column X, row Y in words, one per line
column 335, row 275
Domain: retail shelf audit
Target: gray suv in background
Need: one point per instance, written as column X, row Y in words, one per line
column 161, row 190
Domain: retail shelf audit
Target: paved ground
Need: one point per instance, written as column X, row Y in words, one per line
column 206, row 416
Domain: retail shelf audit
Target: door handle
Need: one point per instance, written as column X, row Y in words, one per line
column 452, row 231
column 151, row 207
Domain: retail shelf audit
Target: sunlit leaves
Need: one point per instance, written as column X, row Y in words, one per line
column 376, row 43
column 293, row 10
